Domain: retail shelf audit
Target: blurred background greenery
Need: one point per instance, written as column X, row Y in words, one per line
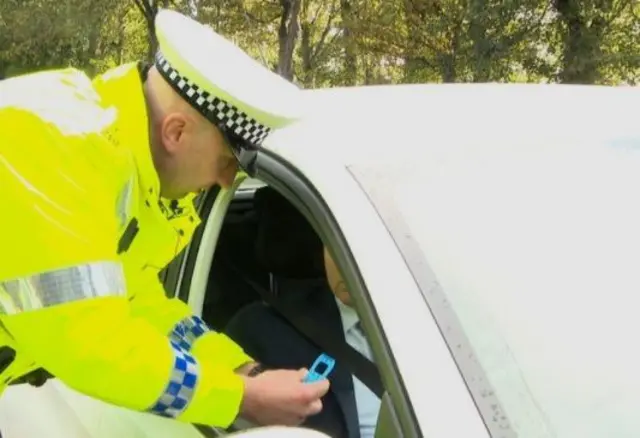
column 321, row 43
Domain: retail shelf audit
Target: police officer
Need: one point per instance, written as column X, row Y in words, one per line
column 97, row 180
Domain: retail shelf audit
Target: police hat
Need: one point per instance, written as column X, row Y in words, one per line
column 228, row 87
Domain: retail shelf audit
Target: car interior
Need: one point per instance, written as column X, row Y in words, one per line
column 263, row 240
column 263, row 244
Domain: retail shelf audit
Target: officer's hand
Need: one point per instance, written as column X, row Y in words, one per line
column 280, row 397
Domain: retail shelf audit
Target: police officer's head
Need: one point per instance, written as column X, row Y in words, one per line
column 189, row 152
column 208, row 101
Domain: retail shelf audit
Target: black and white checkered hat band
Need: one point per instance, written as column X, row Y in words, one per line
column 223, row 114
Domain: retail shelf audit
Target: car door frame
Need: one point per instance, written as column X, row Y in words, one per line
column 404, row 404
column 198, row 258
column 212, row 206
column 426, row 394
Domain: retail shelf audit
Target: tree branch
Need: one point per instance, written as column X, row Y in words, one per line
column 250, row 16
column 146, row 8
column 514, row 39
column 329, row 44
column 615, row 58
column 615, row 14
column 316, row 15
column 140, row 5
column 321, row 42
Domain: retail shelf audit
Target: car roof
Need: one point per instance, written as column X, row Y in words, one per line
column 355, row 124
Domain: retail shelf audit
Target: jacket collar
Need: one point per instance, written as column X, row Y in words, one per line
column 122, row 88
column 348, row 315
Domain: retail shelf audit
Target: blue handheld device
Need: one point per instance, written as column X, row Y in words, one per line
column 320, row 369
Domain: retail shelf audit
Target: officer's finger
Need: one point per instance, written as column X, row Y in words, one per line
column 315, row 390
column 315, row 407
column 292, row 420
column 302, row 373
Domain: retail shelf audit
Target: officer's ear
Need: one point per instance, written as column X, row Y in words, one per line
column 173, row 132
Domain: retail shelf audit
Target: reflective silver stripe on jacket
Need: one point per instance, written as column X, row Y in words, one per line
column 100, row 279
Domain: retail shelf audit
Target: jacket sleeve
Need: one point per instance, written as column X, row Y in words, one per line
column 174, row 317
column 64, row 294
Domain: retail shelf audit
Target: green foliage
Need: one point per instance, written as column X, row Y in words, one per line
column 37, row 34
column 348, row 42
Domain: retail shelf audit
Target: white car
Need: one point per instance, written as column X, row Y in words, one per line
column 490, row 236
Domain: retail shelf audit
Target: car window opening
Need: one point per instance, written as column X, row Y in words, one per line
column 269, row 255
column 264, row 243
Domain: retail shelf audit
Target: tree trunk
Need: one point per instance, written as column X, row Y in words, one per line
column 413, row 62
column 287, row 37
column 350, row 48
column 149, row 9
column 153, row 39
column 306, row 53
column 582, row 44
column 4, row 66
column 481, row 44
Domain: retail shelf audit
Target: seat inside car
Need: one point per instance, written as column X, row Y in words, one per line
column 287, row 246
column 264, row 242
column 227, row 291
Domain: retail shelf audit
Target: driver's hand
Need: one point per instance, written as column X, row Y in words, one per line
column 280, row 397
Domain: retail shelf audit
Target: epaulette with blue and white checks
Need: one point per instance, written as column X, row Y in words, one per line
column 224, row 115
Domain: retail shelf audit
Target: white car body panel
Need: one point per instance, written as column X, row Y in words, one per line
column 463, row 124
column 392, row 119
column 436, row 390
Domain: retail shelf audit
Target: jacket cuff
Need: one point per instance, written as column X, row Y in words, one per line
column 218, row 397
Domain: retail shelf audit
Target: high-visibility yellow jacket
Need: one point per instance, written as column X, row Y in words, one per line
column 84, row 235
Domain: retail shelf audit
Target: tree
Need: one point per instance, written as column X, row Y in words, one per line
column 149, row 10
column 287, row 36
column 320, row 43
column 36, row 34
column 585, row 25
